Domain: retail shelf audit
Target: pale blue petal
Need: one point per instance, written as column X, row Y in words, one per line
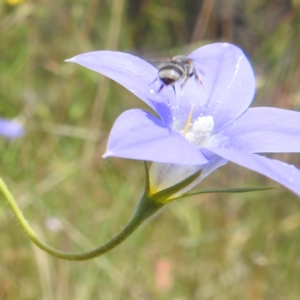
column 228, row 84
column 133, row 73
column 137, row 134
column 283, row 173
column 263, row 129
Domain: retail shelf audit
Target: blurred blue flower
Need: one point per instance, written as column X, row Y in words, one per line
column 10, row 129
column 199, row 127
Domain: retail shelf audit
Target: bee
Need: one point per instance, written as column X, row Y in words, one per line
column 179, row 68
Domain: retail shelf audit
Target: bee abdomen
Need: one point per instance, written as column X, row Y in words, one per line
column 170, row 73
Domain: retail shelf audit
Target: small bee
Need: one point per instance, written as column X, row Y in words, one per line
column 180, row 67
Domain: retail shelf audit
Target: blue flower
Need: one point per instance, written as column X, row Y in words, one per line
column 10, row 129
column 199, row 127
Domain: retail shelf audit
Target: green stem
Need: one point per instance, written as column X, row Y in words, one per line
column 145, row 209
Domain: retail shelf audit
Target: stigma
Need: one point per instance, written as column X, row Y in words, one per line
column 200, row 132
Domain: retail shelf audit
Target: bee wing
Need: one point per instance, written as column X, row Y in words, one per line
column 157, row 61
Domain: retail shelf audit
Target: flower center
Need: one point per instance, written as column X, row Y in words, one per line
column 200, row 131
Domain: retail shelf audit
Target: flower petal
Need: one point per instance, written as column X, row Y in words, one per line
column 263, row 129
column 228, row 84
column 10, row 129
column 215, row 163
column 133, row 73
column 281, row 172
column 163, row 176
column 137, row 134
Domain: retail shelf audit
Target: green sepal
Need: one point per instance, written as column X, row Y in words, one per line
column 226, row 190
column 164, row 196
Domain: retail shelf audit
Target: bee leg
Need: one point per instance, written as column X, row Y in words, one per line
column 185, row 80
column 161, row 87
column 197, row 77
column 173, row 86
column 153, row 81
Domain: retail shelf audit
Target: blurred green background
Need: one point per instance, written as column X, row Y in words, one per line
column 243, row 246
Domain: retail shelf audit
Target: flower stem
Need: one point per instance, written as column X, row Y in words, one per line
column 145, row 209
